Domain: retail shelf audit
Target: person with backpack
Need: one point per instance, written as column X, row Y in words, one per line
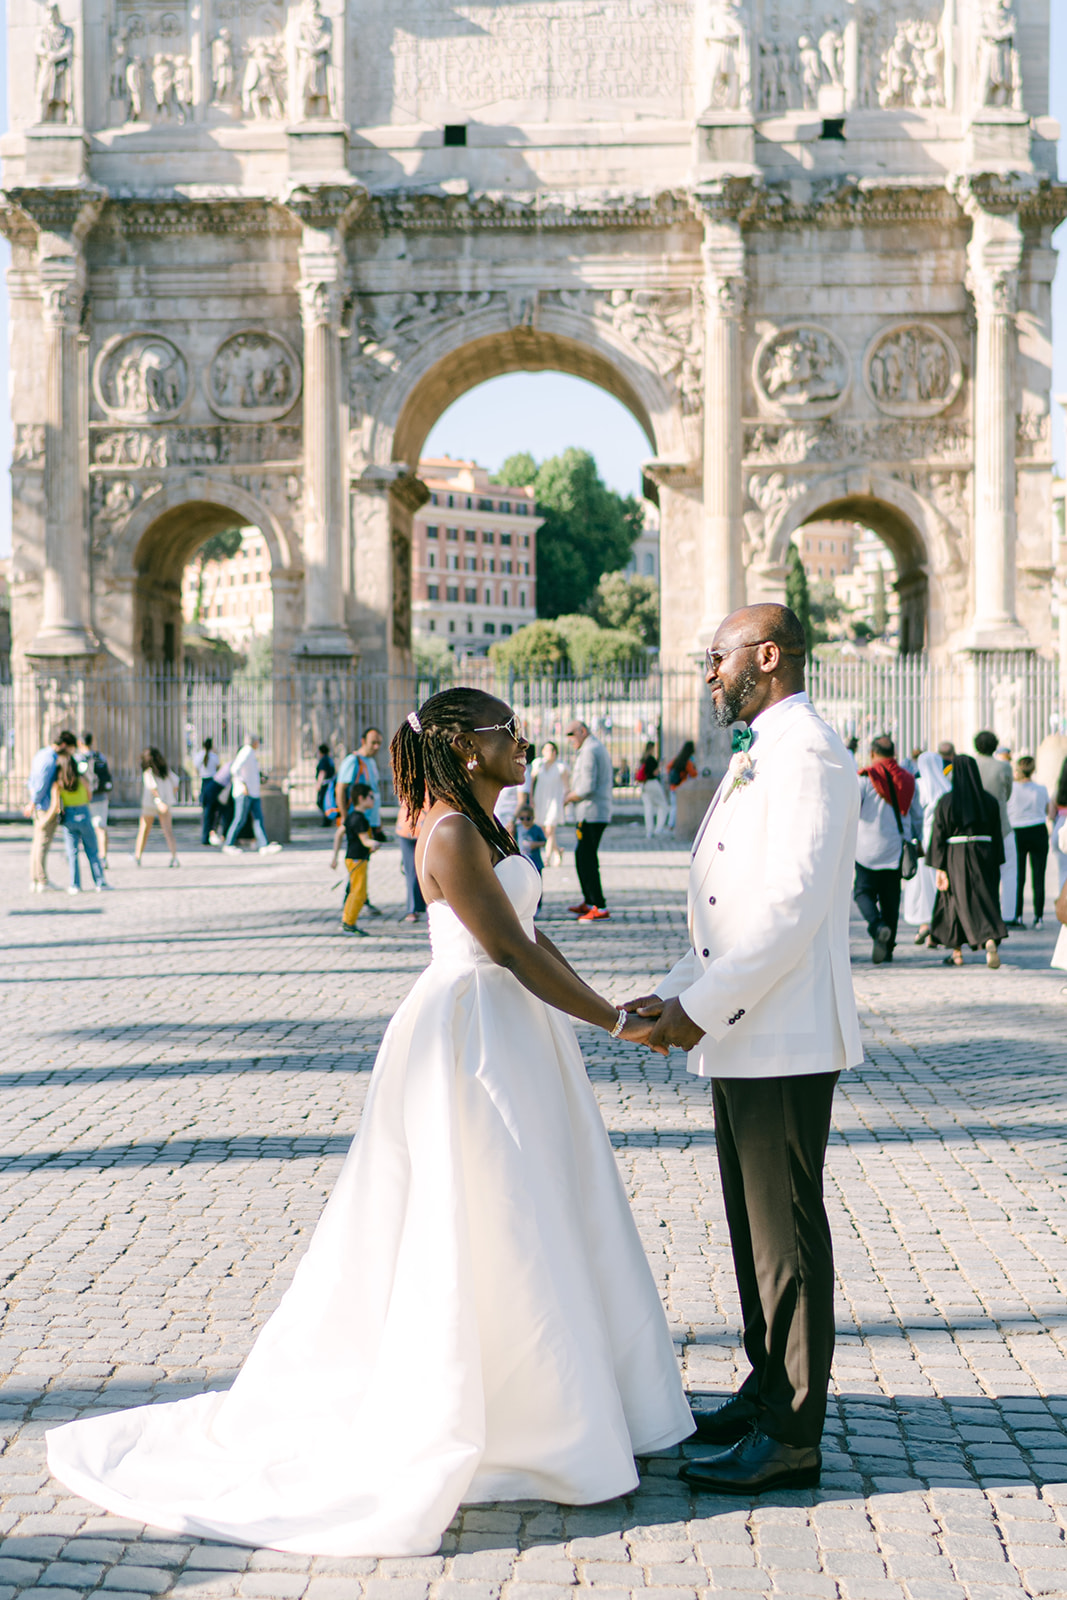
column 94, row 768
column 887, row 793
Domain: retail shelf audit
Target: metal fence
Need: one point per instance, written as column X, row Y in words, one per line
column 918, row 701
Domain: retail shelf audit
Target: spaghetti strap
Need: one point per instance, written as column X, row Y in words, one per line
column 444, row 815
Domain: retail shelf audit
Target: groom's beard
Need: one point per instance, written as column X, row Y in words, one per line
column 727, row 708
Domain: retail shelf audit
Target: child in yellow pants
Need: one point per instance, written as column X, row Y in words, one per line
column 358, row 847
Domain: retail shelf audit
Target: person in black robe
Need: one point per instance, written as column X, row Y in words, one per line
column 966, row 850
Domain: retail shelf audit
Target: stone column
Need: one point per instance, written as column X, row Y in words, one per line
column 324, row 213
column 724, row 297
column 993, row 259
column 64, row 630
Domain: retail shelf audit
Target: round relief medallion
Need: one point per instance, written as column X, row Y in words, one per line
column 802, row 370
column 912, row 370
column 141, row 377
column 254, row 376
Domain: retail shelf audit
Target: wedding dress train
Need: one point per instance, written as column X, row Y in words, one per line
column 474, row 1319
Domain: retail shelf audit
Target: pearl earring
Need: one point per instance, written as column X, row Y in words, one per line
column 472, row 763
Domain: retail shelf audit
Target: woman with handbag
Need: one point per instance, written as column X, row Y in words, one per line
column 966, row 851
column 920, row 891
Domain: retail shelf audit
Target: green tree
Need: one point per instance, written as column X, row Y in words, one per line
column 538, row 650
column 628, row 603
column 434, row 660
column 588, row 528
column 222, row 546
column 591, row 648
column 826, row 610
column 258, row 664
column 797, row 595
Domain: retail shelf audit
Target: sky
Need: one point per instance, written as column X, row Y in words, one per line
column 545, row 412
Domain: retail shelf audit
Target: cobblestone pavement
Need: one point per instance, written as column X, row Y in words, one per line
column 184, row 1064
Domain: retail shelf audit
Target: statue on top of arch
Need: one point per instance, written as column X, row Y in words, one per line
column 315, row 57
column 999, row 70
column 55, row 68
column 727, row 69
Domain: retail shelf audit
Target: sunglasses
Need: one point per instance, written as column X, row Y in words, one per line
column 713, row 659
column 512, row 727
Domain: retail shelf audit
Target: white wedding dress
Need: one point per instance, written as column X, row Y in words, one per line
column 474, row 1319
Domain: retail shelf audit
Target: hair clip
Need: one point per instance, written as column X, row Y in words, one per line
column 413, row 719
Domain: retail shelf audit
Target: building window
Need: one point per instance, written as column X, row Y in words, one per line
column 470, row 596
column 522, row 509
column 433, row 626
column 451, row 627
column 470, row 625
column 505, row 628
column 433, row 591
column 485, row 505
column 505, row 538
column 470, row 564
column 503, row 597
column 526, row 541
column 433, row 500
column 505, row 507
column 650, row 564
column 505, row 566
column 452, row 534
column 488, row 627
column 431, row 533
column 471, row 535
column 453, row 562
column 431, row 559
column 452, row 593
column 451, row 500
column 488, row 536
column 522, row 599
column 488, row 595
column 490, row 565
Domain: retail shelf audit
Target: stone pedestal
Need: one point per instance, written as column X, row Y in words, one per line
column 318, row 151
column 275, row 804
column 725, row 144
column 56, row 154
column 998, row 140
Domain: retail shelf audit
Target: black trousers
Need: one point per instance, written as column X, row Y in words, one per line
column 877, row 893
column 1031, row 844
column 587, row 861
column 771, row 1136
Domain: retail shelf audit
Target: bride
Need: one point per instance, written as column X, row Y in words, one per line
column 474, row 1319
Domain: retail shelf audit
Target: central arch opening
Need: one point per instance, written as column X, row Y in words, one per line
column 866, row 570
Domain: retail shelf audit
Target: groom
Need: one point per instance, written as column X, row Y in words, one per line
column 763, row 1003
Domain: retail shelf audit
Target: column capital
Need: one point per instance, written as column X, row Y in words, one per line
column 62, row 280
column 730, row 199
column 327, row 208
column 994, row 256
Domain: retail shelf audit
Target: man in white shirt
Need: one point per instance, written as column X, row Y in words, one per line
column 244, row 771
column 763, row 1003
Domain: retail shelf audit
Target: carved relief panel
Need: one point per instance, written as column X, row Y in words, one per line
column 912, row 370
column 151, row 72
column 832, row 57
column 247, row 60
column 141, row 377
column 802, row 370
column 254, row 376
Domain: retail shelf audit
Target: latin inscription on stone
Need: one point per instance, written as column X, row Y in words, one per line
column 581, row 58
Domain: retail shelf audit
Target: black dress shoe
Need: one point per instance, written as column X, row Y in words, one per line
column 728, row 1423
column 754, row 1465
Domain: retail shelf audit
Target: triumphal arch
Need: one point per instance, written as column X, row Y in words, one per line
column 260, row 245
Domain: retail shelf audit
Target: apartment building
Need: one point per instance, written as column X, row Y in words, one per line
column 237, row 603
column 474, row 556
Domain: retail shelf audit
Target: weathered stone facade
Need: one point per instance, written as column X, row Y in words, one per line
column 258, row 249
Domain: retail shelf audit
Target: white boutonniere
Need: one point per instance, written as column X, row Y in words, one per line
column 741, row 771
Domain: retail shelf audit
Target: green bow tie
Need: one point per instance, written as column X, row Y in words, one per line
column 741, row 738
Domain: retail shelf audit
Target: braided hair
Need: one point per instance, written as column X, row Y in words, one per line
column 424, row 762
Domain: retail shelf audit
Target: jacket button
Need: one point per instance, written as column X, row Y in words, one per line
column 706, row 952
column 721, row 845
column 711, row 899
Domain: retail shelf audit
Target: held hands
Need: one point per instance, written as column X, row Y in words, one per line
column 638, row 1030
column 669, row 1023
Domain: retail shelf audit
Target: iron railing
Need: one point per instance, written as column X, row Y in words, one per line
column 917, row 701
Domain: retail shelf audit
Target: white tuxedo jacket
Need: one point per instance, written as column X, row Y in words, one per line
column 768, row 976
